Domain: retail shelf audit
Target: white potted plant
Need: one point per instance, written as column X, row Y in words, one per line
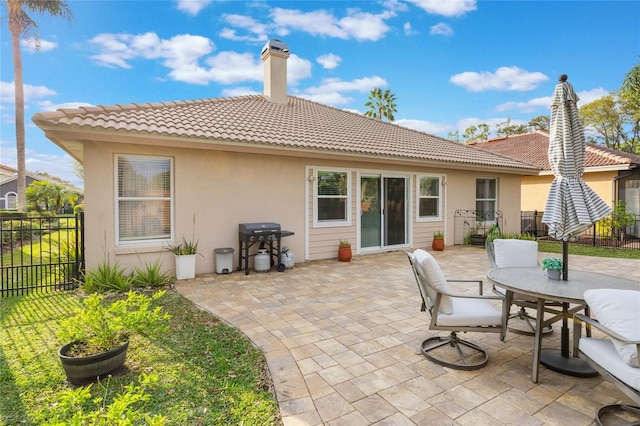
column 185, row 255
column 552, row 267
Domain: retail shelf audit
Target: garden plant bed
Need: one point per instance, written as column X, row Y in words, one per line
column 209, row 373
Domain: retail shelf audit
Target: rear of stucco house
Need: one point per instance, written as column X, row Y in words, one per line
column 158, row 172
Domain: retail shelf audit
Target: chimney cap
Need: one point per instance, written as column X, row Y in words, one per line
column 275, row 45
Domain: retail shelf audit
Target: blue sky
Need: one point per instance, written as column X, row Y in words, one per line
column 451, row 63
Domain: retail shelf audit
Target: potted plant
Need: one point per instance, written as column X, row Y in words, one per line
column 185, row 255
column 438, row 241
column 552, row 267
column 477, row 237
column 96, row 338
column 344, row 251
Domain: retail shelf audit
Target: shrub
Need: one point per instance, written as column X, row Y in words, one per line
column 105, row 278
column 150, row 276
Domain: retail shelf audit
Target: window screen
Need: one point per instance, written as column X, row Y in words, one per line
column 144, row 198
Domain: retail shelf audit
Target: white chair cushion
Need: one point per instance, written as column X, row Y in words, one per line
column 618, row 310
column 470, row 312
column 515, row 253
column 604, row 354
column 432, row 272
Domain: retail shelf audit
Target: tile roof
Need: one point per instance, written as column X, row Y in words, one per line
column 532, row 148
column 300, row 124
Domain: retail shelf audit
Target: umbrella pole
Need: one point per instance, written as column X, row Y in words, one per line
column 565, row 260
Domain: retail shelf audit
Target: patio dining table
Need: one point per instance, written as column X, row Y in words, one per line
column 534, row 283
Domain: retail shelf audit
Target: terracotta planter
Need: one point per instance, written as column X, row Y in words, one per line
column 437, row 244
column 344, row 253
column 82, row 370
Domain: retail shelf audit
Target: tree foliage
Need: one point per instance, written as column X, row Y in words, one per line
column 381, row 104
column 614, row 121
column 49, row 196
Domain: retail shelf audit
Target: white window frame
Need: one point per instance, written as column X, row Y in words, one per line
column 117, row 199
column 440, row 198
column 7, row 198
column 331, row 223
column 494, row 200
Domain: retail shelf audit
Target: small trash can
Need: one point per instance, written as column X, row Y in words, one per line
column 224, row 260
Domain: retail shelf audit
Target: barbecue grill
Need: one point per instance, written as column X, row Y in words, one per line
column 268, row 235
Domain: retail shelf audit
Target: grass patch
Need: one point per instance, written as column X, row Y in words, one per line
column 584, row 250
column 209, row 373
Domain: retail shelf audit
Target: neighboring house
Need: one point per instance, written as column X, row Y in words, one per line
column 158, row 172
column 613, row 175
column 8, row 193
column 6, row 172
column 9, row 187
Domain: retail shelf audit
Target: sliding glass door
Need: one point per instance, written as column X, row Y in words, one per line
column 383, row 211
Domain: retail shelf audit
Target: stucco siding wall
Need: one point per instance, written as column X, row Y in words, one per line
column 214, row 191
column 220, row 189
column 535, row 189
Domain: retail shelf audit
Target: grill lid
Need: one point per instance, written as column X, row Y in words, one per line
column 259, row 228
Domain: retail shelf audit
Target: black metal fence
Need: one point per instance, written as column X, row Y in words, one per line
column 601, row 234
column 40, row 253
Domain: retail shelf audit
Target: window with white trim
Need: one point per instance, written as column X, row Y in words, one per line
column 331, row 194
column 429, row 197
column 11, row 201
column 144, row 199
column 486, row 198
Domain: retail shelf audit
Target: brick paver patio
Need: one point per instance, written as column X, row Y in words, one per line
column 342, row 344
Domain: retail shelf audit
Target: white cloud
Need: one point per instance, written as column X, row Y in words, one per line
column 45, row 45
column 60, row 166
column 329, row 61
column 187, row 58
column 357, row 25
column 544, row 102
column 424, row 126
column 448, row 8
column 331, row 90
column 239, row 91
column 505, row 78
column 441, row 29
column 192, row 7
column 230, row 34
column 408, row 30
column 587, row 97
column 7, row 92
column 50, row 106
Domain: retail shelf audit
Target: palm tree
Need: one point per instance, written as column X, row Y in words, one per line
column 51, row 195
column 21, row 25
column 381, row 104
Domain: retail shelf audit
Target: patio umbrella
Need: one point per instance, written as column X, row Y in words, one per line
column 572, row 207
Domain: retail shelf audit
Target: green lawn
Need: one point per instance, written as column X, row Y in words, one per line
column 209, row 374
column 585, row 250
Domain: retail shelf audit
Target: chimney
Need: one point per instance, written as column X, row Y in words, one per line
column 274, row 55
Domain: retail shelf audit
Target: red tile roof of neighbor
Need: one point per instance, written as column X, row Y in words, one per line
column 300, row 124
column 532, row 148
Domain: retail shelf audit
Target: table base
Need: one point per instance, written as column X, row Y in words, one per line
column 553, row 360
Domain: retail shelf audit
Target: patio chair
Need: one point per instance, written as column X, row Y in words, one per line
column 504, row 253
column 615, row 356
column 455, row 312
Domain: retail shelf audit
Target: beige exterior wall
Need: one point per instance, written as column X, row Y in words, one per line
column 222, row 189
column 535, row 189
